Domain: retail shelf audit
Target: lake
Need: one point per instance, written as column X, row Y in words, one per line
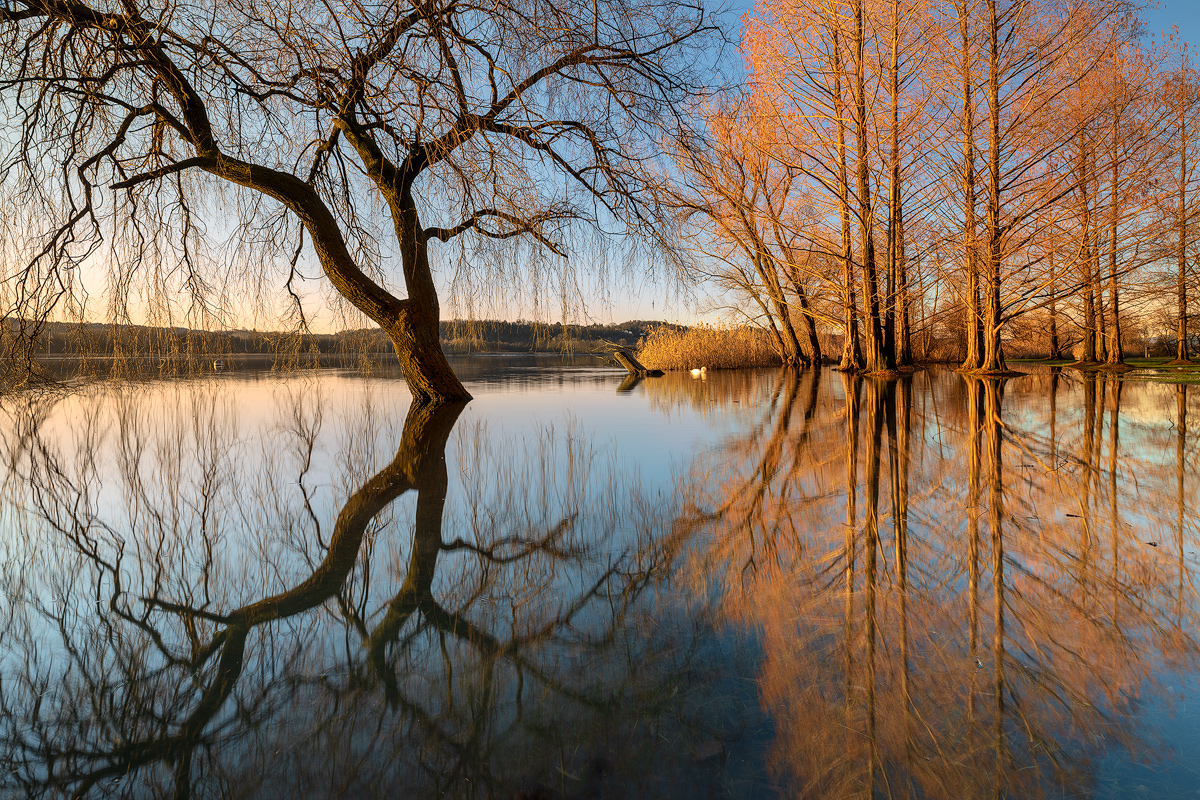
column 742, row 584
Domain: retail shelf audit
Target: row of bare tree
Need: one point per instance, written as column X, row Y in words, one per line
column 894, row 168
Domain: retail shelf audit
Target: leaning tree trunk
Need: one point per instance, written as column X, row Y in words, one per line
column 810, row 329
column 793, row 353
column 810, row 325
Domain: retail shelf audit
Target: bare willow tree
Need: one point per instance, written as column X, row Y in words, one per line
column 157, row 132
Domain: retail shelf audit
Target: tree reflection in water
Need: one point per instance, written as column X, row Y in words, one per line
column 184, row 619
column 961, row 591
column 940, row 588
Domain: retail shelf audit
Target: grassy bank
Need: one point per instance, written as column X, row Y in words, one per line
column 669, row 348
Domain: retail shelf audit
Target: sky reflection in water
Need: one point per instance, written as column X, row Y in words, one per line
column 757, row 584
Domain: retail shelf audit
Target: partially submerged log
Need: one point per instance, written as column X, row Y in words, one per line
column 627, row 360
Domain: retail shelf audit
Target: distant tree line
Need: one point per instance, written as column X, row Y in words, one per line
column 63, row 339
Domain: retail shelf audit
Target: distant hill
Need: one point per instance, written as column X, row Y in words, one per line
column 58, row 339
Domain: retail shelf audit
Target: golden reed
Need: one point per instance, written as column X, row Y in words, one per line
column 714, row 347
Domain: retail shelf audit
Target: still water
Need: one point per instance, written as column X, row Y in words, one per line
column 758, row 584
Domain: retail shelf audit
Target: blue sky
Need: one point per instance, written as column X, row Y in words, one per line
column 1184, row 13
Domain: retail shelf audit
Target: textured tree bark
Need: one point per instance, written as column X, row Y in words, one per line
column 415, row 330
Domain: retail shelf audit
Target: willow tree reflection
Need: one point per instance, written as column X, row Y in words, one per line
column 957, row 603
column 193, row 611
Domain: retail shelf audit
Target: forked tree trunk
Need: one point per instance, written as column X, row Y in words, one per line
column 793, row 353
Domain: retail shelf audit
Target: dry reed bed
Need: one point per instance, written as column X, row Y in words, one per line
column 708, row 346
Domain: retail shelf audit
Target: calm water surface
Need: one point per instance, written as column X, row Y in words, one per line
column 759, row 584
